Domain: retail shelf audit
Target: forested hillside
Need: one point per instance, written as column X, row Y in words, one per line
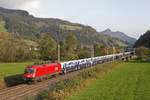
column 27, row 26
column 144, row 40
column 24, row 37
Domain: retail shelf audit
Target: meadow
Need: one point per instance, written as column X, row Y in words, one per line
column 129, row 81
column 11, row 72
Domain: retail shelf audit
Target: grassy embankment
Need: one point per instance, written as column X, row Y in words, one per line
column 130, row 81
column 10, row 73
column 67, row 87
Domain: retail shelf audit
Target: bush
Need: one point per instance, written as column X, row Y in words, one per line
column 142, row 53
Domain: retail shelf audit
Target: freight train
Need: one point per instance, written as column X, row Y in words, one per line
column 36, row 73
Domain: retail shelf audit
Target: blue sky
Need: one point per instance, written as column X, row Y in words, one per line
column 129, row 16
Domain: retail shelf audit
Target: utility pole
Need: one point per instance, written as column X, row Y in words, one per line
column 113, row 53
column 134, row 52
column 58, row 42
column 58, row 53
column 124, row 50
column 92, row 51
column 129, row 49
column 107, row 51
column 92, row 46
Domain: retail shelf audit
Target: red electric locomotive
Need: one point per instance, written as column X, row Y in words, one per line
column 38, row 72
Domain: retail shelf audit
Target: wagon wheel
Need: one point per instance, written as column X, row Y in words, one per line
column 79, row 67
column 76, row 68
column 35, row 81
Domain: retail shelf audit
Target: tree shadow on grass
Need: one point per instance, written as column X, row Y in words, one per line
column 13, row 80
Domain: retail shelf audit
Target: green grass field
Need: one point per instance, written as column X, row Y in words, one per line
column 70, row 27
column 8, row 69
column 129, row 81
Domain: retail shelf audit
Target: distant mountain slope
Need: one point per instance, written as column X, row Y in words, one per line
column 144, row 40
column 119, row 35
column 21, row 23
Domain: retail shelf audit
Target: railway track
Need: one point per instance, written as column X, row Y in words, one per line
column 21, row 91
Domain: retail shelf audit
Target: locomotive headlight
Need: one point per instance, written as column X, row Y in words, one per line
column 28, row 75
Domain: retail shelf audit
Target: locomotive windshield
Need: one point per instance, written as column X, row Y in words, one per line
column 29, row 70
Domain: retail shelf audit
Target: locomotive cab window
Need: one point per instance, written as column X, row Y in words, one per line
column 29, row 70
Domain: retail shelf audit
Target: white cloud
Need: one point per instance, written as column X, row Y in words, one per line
column 33, row 6
column 30, row 5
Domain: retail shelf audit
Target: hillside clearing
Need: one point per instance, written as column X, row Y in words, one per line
column 130, row 81
column 2, row 26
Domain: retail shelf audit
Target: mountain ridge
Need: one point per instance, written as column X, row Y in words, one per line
column 120, row 35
